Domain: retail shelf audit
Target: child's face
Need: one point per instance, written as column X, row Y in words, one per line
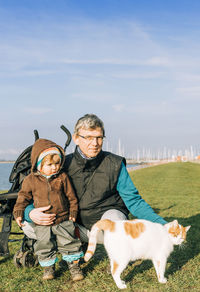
column 50, row 166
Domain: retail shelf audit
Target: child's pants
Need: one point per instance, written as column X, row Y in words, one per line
column 57, row 238
column 112, row 214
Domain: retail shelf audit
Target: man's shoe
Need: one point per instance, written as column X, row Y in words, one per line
column 49, row 273
column 75, row 271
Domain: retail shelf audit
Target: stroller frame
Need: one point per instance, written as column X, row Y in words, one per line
column 8, row 199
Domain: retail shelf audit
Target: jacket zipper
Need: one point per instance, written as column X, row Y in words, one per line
column 49, row 189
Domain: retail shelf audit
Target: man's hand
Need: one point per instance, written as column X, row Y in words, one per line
column 19, row 221
column 40, row 218
column 72, row 219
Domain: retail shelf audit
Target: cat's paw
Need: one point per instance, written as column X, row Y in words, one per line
column 121, row 285
column 163, row 280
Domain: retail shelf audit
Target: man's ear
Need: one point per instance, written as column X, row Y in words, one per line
column 75, row 139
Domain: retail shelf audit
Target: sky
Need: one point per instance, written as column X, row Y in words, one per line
column 135, row 64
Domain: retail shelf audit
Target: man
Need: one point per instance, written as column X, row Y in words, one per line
column 101, row 182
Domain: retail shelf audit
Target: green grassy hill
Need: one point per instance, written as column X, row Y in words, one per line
column 173, row 191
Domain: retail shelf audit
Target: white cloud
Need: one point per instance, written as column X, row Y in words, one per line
column 159, row 61
column 143, row 108
column 190, row 91
column 119, row 107
column 37, row 110
column 96, row 43
column 137, row 75
column 10, row 151
column 155, row 61
column 188, row 77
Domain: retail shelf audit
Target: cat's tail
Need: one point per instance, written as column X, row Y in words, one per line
column 103, row 225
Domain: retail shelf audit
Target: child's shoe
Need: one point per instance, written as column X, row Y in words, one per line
column 49, row 273
column 75, row 271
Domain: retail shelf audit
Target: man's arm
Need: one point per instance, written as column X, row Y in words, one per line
column 133, row 201
column 27, row 211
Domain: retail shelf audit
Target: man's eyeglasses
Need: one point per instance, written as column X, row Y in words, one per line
column 91, row 138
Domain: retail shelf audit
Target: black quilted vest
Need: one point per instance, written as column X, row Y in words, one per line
column 94, row 182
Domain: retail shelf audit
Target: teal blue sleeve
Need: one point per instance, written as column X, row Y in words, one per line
column 133, row 201
column 27, row 211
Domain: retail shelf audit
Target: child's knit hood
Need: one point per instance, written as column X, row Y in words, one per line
column 39, row 146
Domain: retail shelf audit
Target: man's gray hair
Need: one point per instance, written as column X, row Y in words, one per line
column 89, row 121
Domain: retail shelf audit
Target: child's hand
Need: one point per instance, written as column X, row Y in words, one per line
column 19, row 221
column 72, row 219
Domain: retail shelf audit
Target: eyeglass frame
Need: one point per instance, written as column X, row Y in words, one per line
column 91, row 138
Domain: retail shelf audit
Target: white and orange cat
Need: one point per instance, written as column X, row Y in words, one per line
column 131, row 240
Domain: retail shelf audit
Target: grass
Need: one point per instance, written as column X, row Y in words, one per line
column 173, row 192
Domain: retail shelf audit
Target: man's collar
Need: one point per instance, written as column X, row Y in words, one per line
column 83, row 155
column 88, row 163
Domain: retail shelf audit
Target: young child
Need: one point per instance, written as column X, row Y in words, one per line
column 48, row 185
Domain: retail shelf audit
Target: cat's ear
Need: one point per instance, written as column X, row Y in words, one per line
column 187, row 228
column 175, row 223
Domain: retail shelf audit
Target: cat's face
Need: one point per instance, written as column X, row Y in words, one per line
column 177, row 232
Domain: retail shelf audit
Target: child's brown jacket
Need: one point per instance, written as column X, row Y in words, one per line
column 55, row 191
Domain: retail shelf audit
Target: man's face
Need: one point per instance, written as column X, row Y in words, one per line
column 89, row 141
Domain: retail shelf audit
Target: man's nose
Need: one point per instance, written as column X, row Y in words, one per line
column 94, row 141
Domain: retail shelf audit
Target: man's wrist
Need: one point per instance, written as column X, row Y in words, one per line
column 27, row 212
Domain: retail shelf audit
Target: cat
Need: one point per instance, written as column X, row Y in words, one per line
column 130, row 240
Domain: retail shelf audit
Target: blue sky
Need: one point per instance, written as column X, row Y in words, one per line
column 136, row 64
